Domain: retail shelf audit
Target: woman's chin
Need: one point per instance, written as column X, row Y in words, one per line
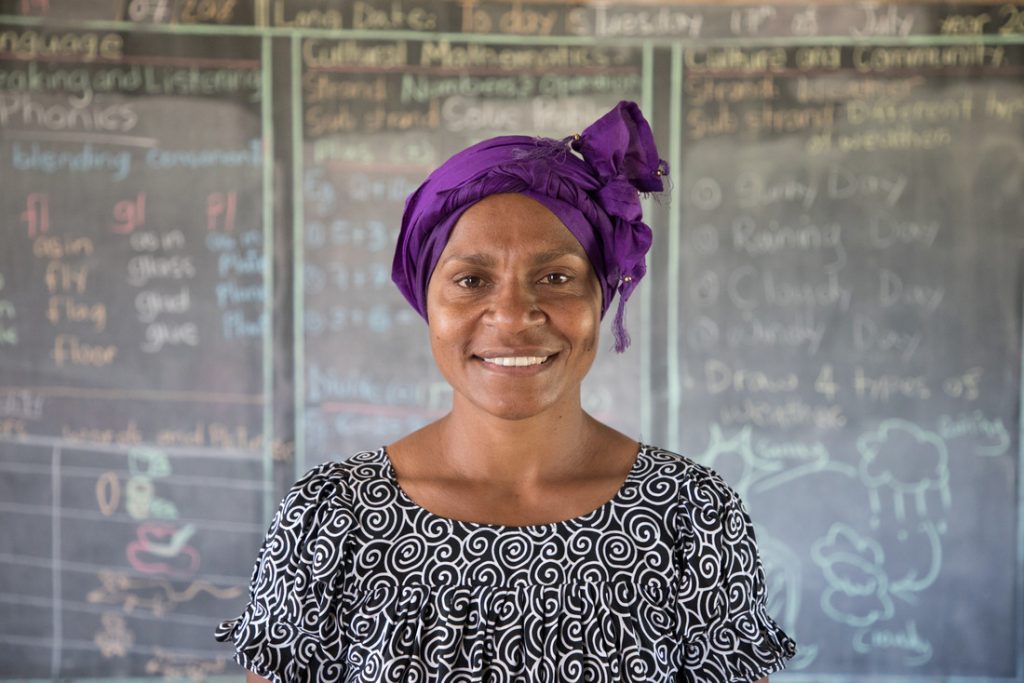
column 508, row 408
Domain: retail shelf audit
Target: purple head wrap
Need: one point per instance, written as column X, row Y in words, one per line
column 596, row 195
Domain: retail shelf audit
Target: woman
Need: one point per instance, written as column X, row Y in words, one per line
column 517, row 538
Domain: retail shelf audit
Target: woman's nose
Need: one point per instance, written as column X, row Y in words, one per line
column 515, row 305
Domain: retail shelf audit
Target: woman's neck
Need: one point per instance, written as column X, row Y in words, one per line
column 557, row 444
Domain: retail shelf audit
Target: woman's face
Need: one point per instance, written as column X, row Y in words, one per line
column 514, row 309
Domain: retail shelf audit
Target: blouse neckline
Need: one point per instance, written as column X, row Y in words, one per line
column 407, row 501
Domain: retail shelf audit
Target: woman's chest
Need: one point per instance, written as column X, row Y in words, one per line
column 395, row 546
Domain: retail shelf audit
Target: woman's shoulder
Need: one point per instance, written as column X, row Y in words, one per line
column 698, row 484
column 333, row 481
column 359, row 465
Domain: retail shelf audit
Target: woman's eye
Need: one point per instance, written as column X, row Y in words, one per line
column 556, row 278
column 469, row 281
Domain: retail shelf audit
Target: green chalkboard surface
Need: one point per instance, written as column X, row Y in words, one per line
column 198, row 202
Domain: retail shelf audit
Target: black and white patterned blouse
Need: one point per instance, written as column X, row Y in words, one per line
column 356, row 582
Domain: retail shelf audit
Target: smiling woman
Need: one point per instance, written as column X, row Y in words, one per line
column 516, row 538
column 514, row 309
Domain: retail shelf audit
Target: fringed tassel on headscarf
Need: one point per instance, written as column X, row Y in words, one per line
column 622, row 339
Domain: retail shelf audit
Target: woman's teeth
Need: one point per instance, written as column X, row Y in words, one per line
column 517, row 361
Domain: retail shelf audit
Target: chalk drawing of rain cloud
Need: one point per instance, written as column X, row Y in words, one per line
column 903, row 463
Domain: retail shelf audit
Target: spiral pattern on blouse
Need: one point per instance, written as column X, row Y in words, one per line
column 356, row 582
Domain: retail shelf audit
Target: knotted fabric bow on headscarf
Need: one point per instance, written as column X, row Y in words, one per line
column 595, row 194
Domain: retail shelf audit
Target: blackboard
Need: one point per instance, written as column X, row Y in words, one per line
column 199, row 200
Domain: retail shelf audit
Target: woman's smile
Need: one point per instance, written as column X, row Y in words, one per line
column 517, row 365
column 516, row 361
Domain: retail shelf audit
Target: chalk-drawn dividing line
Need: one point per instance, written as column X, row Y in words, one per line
column 198, row 62
column 792, row 72
column 218, row 483
column 45, row 563
column 471, row 71
column 90, row 646
column 208, row 452
column 73, row 606
column 140, row 395
column 85, row 514
column 55, row 551
column 98, row 138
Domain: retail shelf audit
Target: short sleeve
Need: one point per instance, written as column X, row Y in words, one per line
column 290, row 630
column 726, row 633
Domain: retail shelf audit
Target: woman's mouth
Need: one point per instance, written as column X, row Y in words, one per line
column 516, row 361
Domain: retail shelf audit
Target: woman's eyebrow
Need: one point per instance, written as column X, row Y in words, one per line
column 555, row 254
column 482, row 260
column 487, row 261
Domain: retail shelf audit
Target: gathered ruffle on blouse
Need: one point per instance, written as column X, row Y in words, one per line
column 355, row 582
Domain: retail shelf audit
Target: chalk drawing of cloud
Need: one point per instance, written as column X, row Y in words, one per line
column 908, row 462
column 853, row 566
